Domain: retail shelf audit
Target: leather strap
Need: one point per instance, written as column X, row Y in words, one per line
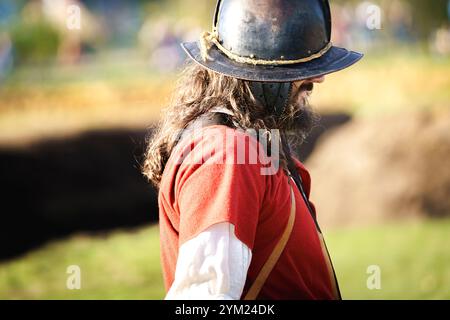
column 293, row 173
column 205, row 120
column 274, row 256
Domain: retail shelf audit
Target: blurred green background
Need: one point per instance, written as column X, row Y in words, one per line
column 116, row 72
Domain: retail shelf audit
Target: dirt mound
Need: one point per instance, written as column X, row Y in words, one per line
column 372, row 170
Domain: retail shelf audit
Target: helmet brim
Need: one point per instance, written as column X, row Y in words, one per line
column 333, row 60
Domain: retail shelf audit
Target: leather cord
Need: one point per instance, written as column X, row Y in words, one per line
column 298, row 181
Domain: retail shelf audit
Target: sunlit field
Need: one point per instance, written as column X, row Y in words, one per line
column 397, row 82
column 120, row 91
column 117, row 91
column 413, row 259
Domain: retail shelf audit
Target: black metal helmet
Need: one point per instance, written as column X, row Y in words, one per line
column 271, row 41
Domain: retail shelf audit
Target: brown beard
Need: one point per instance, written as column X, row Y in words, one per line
column 299, row 118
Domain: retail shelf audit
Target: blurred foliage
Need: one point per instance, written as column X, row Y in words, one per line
column 37, row 41
column 195, row 12
column 426, row 15
column 413, row 258
column 34, row 42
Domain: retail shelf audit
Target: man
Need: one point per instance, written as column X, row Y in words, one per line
column 230, row 229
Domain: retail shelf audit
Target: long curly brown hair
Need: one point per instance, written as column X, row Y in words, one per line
column 199, row 90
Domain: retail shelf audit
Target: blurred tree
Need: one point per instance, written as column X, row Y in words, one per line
column 196, row 12
column 34, row 39
column 34, row 42
column 428, row 16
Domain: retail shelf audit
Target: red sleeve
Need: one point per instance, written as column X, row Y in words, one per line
column 212, row 188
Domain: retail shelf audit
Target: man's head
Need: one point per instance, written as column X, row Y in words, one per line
column 260, row 61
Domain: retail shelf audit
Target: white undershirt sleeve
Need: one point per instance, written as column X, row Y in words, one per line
column 213, row 265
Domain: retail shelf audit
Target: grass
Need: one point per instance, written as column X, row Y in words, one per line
column 414, row 260
column 124, row 265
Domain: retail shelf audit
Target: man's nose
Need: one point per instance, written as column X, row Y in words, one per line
column 310, row 80
column 316, row 79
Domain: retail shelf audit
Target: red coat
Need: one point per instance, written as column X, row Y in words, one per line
column 208, row 187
